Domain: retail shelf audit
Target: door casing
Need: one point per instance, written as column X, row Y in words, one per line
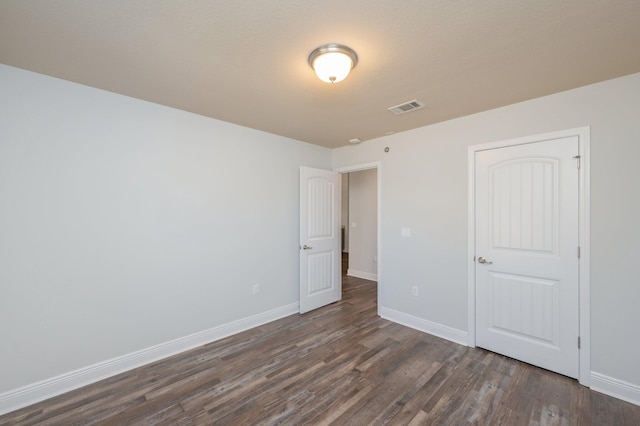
column 583, row 134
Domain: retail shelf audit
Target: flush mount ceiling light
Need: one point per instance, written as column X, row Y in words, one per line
column 333, row 62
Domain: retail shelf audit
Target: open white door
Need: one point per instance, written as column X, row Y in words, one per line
column 320, row 262
column 527, row 252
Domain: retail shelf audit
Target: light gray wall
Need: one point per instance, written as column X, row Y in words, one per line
column 424, row 187
column 125, row 224
column 363, row 224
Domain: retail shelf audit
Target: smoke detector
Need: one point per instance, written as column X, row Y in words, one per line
column 406, row 107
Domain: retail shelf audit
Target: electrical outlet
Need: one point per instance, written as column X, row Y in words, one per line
column 256, row 288
column 414, row 290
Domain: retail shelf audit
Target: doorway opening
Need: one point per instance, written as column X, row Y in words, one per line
column 360, row 217
column 359, row 224
column 320, row 235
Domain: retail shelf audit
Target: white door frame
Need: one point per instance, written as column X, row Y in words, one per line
column 583, row 133
column 368, row 166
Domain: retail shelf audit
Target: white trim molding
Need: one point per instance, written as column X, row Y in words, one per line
column 358, row 167
column 583, row 134
column 36, row 392
column 362, row 274
column 426, row 326
column 615, row 388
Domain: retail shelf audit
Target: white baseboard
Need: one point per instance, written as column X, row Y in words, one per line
column 36, row 392
column 615, row 388
column 363, row 275
column 439, row 330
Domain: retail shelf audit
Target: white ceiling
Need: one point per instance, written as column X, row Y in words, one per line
column 245, row 61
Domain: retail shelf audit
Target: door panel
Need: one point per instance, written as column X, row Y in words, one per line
column 526, row 243
column 320, row 280
column 524, row 307
column 524, row 204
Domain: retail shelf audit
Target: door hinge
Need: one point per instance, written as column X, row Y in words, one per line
column 578, row 252
column 578, row 342
column 577, row 157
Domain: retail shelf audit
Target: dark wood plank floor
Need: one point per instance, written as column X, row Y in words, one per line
column 341, row 365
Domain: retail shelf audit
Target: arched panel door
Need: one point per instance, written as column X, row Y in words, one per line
column 320, row 263
column 527, row 264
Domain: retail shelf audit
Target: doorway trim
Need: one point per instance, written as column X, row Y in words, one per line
column 583, row 134
column 368, row 166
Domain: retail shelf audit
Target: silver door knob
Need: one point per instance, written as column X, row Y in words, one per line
column 306, row 247
column 483, row 260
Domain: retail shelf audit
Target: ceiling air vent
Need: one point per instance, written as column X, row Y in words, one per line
column 406, row 107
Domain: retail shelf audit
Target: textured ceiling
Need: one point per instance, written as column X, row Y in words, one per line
column 245, row 61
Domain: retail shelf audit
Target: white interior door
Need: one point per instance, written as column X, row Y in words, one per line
column 320, row 245
column 527, row 256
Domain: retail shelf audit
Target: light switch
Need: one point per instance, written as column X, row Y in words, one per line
column 405, row 232
column 354, row 224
